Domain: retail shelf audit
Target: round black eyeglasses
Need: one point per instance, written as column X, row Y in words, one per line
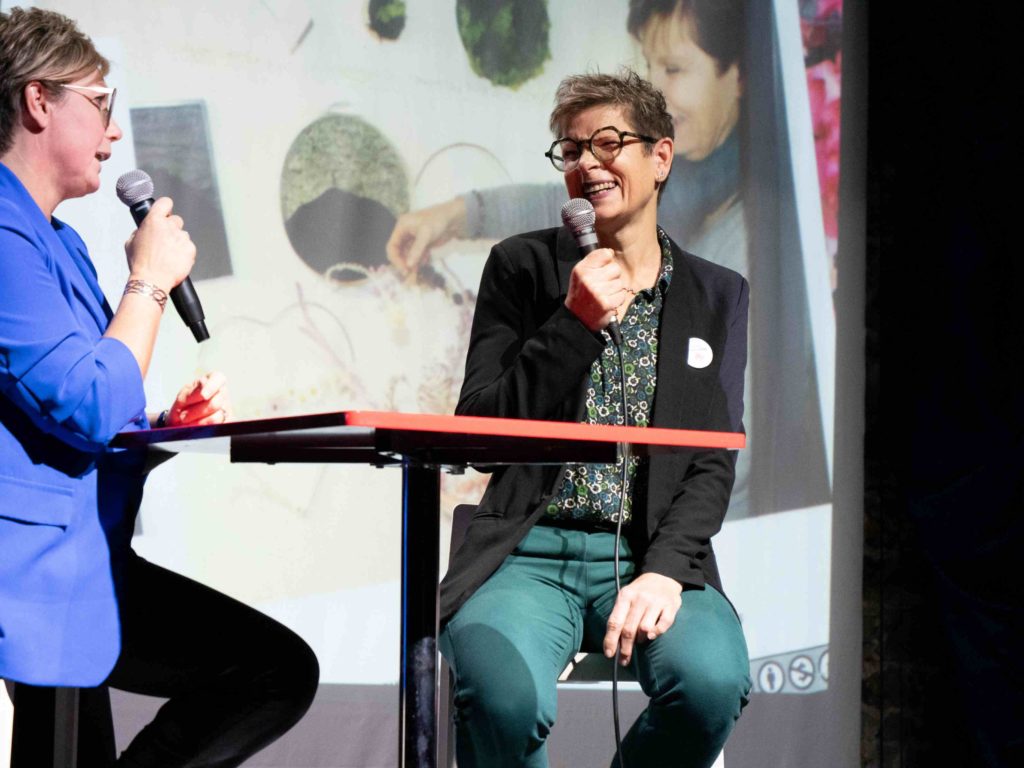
column 604, row 144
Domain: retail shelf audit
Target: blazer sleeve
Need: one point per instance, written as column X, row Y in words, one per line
column 76, row 384
column 520, row 365
column 682, row 538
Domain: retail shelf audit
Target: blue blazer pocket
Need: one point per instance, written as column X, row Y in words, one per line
column 31, row 503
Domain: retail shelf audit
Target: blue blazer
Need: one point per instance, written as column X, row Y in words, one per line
column 67, row 503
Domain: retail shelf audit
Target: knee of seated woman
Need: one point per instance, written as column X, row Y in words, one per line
column 713, row 692
column 513, row 701
column 306, row 670
column 293, row 672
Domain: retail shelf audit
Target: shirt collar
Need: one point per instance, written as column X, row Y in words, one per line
column 665, row 277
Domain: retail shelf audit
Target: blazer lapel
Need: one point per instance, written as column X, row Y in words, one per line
column 567, row 253
column 79, row 272
column 97, row 304
column 676, row 328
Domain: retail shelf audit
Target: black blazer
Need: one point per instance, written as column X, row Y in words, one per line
column 529, row 357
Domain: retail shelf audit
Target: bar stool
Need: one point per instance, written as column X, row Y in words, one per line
column 585, row 669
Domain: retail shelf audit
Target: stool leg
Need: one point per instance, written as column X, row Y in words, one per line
column 45, row 730
column 6, row 721
column 32, row 732
column 65, row 728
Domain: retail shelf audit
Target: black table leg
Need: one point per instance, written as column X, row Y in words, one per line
column 417, row 729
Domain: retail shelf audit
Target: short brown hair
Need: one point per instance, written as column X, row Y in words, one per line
column 641, row 103
column 39, row 45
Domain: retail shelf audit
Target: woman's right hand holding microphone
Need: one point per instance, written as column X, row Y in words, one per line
column 595, row 289
column 160, row 251
column 160, row 255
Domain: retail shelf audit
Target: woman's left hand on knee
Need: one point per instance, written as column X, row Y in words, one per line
column 644, row 609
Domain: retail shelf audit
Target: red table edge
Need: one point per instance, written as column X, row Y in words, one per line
column 557, row 430
column 427, row 422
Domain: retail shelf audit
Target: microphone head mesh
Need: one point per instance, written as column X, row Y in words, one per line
column 578, row 214
column 134, row 187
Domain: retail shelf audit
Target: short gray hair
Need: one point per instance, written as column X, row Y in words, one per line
column 641, row 103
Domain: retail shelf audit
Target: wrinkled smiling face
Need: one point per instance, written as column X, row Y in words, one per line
column 704, row 102
column 621, row 189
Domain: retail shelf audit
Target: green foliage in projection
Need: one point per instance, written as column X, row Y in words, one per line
column 344, row 152
column 387, row 18
column 506, row 40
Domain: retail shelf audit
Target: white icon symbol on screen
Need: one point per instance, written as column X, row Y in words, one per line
column 801, row 672
column 771, row 677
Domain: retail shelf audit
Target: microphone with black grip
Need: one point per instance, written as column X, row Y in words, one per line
column 578, row 215
column 135, row 189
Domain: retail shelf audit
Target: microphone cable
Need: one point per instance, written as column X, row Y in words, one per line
column 626, row 454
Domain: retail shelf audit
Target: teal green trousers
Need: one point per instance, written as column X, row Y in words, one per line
column 551, row 598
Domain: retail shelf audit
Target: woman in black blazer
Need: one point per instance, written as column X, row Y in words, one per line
column 534, row 581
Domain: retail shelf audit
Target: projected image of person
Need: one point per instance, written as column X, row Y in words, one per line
column 696, row 55
column 78, row 607
column 534, row 581
column 693, row 49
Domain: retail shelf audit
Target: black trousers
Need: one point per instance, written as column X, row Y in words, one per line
column 235, row 681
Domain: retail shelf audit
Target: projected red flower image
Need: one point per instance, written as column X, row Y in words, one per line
column 821, row 24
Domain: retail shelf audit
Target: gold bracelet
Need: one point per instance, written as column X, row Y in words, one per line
column 159, row 295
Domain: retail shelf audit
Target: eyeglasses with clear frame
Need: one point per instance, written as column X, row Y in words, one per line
column 102, row 98
column 604, row 144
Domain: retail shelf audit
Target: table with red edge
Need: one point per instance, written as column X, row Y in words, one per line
column 422, row 445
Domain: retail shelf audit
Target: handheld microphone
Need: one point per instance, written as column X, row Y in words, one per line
column 578, row 215
column 135, row 189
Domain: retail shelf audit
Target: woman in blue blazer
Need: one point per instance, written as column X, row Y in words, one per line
column 77, row 606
